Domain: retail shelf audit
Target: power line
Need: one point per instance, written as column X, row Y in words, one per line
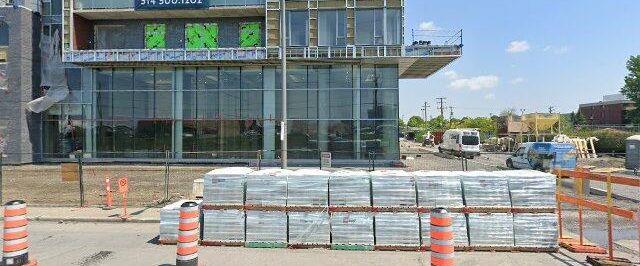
column 441, row 102
column 424, row 110
column 451, row 115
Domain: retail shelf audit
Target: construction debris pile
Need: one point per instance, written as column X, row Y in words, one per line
column 509, row 210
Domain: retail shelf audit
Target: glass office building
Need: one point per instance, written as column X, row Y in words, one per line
column 203, row 83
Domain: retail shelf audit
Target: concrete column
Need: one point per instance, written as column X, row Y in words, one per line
column 324, row 78
column 89, row 105
column 177, row 113
column 356, row 112
column 269, row 112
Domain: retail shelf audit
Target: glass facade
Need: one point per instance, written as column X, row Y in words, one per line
column 227, row 112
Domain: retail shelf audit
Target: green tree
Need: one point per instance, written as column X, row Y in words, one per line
column 416, row 121
column 631, row 87
column 401, row 124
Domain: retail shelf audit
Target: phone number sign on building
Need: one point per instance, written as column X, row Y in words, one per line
column 170, row 4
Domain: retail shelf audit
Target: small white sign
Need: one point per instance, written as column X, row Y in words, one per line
column 325, row 160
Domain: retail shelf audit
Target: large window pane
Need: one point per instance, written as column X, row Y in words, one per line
column 364, row 26
column 303, row 139
column 379, row 104
column 208, row 94
column 251, row 93
column 189, row 94
column 123, row 94
column 394, row 27
column 381, row 138
column 298, row 28
column 332, row 27
column 110, row 37
column 143, row 85
column 230, row 92
column 163, row 95
column 340, row 139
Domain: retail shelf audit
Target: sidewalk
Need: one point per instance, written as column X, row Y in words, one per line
column 92, row 214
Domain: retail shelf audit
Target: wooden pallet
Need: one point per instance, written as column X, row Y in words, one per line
column 306, row 208
column 350, row 209
column 309, row 246
column 222, row 243
column 397, row 248
column 533, row 210
column 265, row 208
column 468, row 210
column 352, row 247
column 168, row 241
column 222, row 207
column 266, row 245
column 395, row 209
column 450, row 210
column 537, row 249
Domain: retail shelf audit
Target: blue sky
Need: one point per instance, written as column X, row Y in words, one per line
column 525, row 54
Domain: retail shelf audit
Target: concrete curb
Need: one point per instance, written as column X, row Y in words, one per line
column 92, row 220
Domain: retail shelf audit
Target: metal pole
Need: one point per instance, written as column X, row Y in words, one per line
column 79, row 154
column 1, row 155
column 581, row 197
column 166, row 176
column 559, row 204
column 610, row 216
column 283, row 55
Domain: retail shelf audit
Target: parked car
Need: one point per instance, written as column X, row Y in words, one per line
column 544, row 156
column 461, row 142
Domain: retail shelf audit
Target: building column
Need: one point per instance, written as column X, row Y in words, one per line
column 269, row 112
column 177, row 113
column 324, row 112
column 356, row 112
column 89, row 106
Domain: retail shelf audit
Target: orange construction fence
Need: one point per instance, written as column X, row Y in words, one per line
column 579, row 176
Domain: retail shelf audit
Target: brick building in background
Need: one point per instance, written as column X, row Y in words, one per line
column 612, row 110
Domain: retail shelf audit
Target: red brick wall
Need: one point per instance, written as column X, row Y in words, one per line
column 611, row 114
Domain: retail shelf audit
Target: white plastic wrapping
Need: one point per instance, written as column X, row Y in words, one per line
column 223, row 226
column 532, row 189
column 308, row 187
column 265, row 226
column 309, row 228
column 267, row 187
column 397, row 229
column 53, row 76
column 538, row 230
column 491, row 230
column 439, row 189
column 225, row 186
column 486, row 189
column 459, row 226
column 352, row 228
column 393, row 188
column 169, row 220
column 349, row 189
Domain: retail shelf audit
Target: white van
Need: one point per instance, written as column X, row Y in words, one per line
column 461, row 142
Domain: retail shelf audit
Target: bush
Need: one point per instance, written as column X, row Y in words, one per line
column 610, row 140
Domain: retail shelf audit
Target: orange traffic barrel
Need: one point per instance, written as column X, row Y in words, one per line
column 188, row 234
column 16, row 245
column 442, row 245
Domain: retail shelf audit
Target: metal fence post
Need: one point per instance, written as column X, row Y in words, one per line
column 166, row 176
column 81, row 175
column 1, row 155
column 259, row 153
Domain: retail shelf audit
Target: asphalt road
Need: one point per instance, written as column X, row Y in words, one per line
column 87, row 244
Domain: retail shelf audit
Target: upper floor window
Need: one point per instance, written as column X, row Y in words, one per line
column 155, row 36
column 332, row 28
column 109, row 37
column 374, row 28
column 250, row 34
column 297, row 28
column 201, row 35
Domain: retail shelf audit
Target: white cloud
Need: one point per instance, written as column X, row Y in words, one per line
column 475, row 83
column 451, row 74
column 556, row 49
column 431, row 26
column 518, row 47
column 517, row 81
column 490, row 96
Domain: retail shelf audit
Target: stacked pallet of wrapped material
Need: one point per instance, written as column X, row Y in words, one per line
column 486, row 189
column 491, row 230
column 393, row 188
column 397, row 229
column 267, row 188
column 308, row 188
column 532, row 189
column 266, row 227
column 169, row 220
column 459, row 227
column 224, row 226
column 538, row 230
column 225, row 186
column 309, row 228
column 439, row 189
column 352, row 228
column 349, row 189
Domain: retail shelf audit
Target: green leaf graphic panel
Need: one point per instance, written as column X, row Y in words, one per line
column 199, row 36
column 154, row 36
column 250, row 34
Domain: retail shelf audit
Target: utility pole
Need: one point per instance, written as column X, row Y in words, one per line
column 522, row 123
column 440, row 102
column 283, row 57
column 552, row 109
column 424, row 110
column 451, row 116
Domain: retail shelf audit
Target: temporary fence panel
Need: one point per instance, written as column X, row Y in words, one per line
column 439, row 189
column 308, row 187
column 459, row 226
column 267, row 187
column 223, row 225
column 486, row 189
column 491, row 229
column 349, row 189
column 392, row 188
column 169, row 220
column 265, row 226
column 531, row 189
column 397, row 229
column 225, row 186
column 352, row 228
column 309, row 228
column 538, row 230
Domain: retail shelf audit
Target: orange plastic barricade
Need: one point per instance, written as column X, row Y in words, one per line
column 16, row 246
column 442, row 246
column 579, row 245
column 188, row 235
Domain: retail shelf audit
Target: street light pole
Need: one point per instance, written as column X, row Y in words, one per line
column 283, row 58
